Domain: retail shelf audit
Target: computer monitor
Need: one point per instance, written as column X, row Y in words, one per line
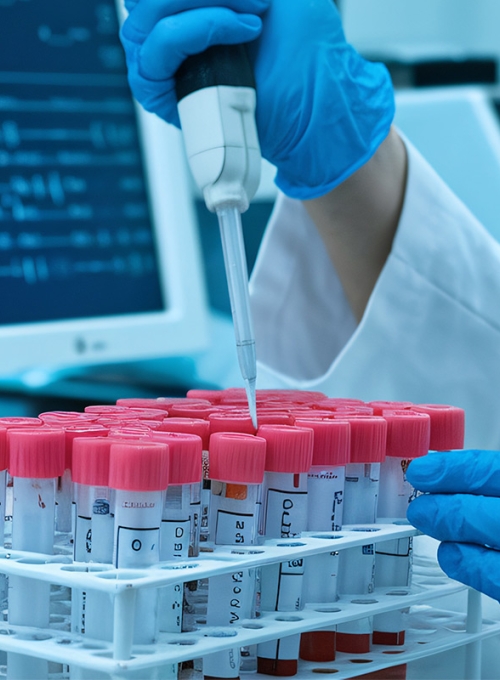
column 99, row 255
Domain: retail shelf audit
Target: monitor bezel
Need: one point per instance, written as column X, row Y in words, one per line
column 181, row 329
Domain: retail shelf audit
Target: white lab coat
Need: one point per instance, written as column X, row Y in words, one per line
column 430, row 333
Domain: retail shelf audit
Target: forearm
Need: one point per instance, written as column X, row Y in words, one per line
column 358, row 220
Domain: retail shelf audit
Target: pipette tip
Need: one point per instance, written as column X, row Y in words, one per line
column 252, row 400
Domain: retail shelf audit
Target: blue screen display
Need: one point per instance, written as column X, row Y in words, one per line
column 76, row 236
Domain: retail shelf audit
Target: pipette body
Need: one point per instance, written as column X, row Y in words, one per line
column 216, row 101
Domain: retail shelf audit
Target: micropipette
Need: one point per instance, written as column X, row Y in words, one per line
column 216, row 101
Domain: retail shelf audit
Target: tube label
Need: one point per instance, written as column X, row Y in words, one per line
column 175, row 535
column 233, row 528
column 286, row 513
column 136, row 547
column 83, row 539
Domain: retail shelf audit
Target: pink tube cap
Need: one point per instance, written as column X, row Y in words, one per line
column 332, row 441
column 196, row 426
column 36, row 452
column 138, row 402
column 21, row 421
column 408, row 433
column 368, row 439
column 194, row 410
column 289, row 449
column 380, row 406
column 213, row 396
column 236, row 457
column 184, row 455
column 3, row 448
column 138, row 466
column 447, row 426
column 83, row 430
column 62, row 417
column 228, row 422
column 91, row 460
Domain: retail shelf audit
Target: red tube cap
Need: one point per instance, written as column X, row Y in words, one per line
column 3, row 448
column 228, row 422
column 408, row 433
column 368, row 439
column 83, row 430
column 62, row 417
column 91, row 460
column 20, row 421
column 212, row 396
column 289, row 449
column 36, row 452
column 138, row 466
column 447, row 426
column 333, row 403
column 184, row 455
column 193, row 410
column 236, row 457
column 332, row 441
column 380, row 406
column 137, row 402
column 196, row 426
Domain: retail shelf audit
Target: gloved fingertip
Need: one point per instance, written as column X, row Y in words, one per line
column 422, row 472
column 419, row 514
column 251, row 21
column 450, row 557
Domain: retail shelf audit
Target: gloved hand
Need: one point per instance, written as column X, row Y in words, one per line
column 463, row 511
column 322, row 110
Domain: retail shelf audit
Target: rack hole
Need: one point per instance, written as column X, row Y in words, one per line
column 290, row 619
column 174, row 567
column 64, row 641
column 222, row 633
column 394, row 651
column 121, row 576
column 398, row 593
column 291, row 545
column 92, row 647
column 330, row 537
column 183, row 643
column 325, row 671
column 368, row 530
column 246, row 552
column 364, row 601
column 361, row 660
column 87, row 568
column 34, row 637
column 328, row 610
column 253, row 626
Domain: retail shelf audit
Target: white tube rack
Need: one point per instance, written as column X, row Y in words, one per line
column 430, row 631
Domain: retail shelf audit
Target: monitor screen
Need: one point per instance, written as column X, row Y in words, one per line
column 97, row 231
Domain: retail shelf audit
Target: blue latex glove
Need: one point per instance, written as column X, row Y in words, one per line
column 462, row 510
column 322, row 110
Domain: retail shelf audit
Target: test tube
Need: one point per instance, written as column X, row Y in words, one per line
column 36, row 460
column 357, row 565
column 408, row 434
column 447, row 426
column 79, row 427
column 236, row 469
column 284, row 515
column 3, row 482
column 92, row 611
column 180, row 526
column 201, row 428
column 325, row 486
column 138, row 472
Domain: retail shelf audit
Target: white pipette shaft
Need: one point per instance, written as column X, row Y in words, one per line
column 237, row 280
